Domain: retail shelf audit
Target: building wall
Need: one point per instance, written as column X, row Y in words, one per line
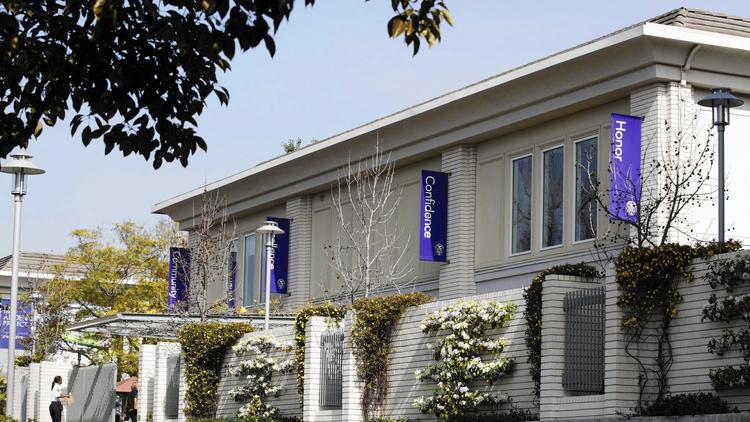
column 325, row 226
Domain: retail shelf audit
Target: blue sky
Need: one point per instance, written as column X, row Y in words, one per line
column 335, row 68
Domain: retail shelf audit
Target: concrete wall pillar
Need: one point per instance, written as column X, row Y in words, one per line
column 163, row 352
column 457, row 276
column 299, row 210
column 146, row 374
column 351, row 402
column 32, row 403
column 312, row 411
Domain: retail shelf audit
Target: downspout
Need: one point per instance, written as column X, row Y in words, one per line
column 688, row 64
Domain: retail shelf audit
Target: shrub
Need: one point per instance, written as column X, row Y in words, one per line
column 459, row 355
column 374, row 320
column 258, row 372
column 687, row 404
column 203, row 347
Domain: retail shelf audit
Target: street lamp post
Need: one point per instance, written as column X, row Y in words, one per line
column 721, row 100
column 268, row 233
column 19, row 166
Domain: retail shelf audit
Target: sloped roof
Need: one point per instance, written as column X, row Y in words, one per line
column 705, row 21
column 125, row 386
column 681, row 17
column 33, row 262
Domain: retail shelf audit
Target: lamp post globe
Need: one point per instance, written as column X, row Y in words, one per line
column 268, row 232
column 20, row 166
column 721, row 100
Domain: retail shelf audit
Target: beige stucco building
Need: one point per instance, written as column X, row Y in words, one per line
column 516, row 137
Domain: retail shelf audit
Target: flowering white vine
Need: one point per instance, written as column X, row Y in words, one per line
column 258, row 370
column 459, row 357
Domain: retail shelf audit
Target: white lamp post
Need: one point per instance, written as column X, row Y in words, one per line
column 268, row 232
column 19, row 166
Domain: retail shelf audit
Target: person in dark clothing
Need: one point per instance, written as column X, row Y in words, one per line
column 56, row 407
column 131, row 404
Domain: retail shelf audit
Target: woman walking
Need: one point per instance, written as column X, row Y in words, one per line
column 56, row 407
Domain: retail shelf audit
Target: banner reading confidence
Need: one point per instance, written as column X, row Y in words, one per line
column 433, row 228
column 179, row 263
column 280, row 257
column 625, row 167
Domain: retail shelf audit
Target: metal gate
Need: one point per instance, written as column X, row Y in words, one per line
column 93, row 390
column 332, row 354
column 584, row 341
column 172, row 400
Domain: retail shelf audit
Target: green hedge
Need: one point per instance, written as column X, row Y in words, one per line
column 204, row 346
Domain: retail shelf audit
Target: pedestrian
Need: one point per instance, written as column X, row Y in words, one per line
column 131, row 404
column 56, row 407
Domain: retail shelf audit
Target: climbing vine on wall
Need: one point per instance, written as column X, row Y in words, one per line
column 203, row 347
column 465, row 356
column 373, row 324
column 733, row 275
column 647, row 279
column 258, row 370
column 328, row 310
column 533, row 296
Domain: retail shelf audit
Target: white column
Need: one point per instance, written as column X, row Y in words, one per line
column 351, row 402
column 457, row 276
column 146, row 373
column 299, row 210
column 163, row 352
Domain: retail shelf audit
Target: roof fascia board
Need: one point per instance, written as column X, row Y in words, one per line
column 503, row 78
column 696, row 36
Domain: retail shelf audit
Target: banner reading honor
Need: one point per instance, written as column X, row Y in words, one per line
column 433, row 228
column 280, row 257
column 179, row 263
column 625, row 167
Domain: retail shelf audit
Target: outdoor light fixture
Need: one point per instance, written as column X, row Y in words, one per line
column 19, row 166
column 721, row 100
column 268, row 233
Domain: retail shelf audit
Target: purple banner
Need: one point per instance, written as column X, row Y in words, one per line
column 280, row 258
column 232, row 272
column 625, row 167
column 23, row 324
column 433, row 210
column 179, row 264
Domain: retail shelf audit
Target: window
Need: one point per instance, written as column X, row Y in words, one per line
column 521, row 212
column 248, row 287
column 586, row 181
column 552, row 197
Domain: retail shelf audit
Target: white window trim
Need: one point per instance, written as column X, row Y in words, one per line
column 575, row 185
column 253, row 295
column 541, row 204
column 510, row 214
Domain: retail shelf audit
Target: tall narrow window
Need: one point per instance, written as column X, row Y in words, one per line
column 586, row 181
column 248, row 287
column 552, row 197
column 521, row 213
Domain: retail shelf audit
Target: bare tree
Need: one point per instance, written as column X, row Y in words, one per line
column 211, row 265
column 674, row 180
column 369, row 252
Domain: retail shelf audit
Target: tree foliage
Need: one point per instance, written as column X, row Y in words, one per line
column 104, row 275
column 137, row 73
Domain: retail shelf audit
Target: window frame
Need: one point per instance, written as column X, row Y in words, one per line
column 254, row 285
column 529, row 155
column 577, row 141
column 542, row 151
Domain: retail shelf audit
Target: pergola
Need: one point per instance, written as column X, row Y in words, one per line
column 164, row 326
